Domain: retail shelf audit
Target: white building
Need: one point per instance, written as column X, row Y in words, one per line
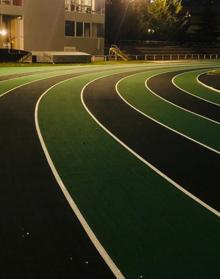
column 53, row 25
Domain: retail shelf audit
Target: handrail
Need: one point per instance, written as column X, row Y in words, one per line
column 115, row 50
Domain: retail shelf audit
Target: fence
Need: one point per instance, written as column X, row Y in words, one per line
column 159, row 57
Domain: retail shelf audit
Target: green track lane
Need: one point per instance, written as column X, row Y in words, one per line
column 133, row 90
column 149, row 228
column 19, row 81
column 54, row 71
column 13, row 83
column 50, row 72
column 188, row 82
column 27, row 69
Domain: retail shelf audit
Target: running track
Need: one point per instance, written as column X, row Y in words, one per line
column 163, row 86
column 41, row 236
column 211, row 80
column 180, row 159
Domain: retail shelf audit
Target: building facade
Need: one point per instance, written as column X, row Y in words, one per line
column 53, row 25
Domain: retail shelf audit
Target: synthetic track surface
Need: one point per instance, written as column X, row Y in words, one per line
column 13, row 76
column 188, row 82
column 211, row 80
column 133, row 90
column 162, row 86
column 155, row 234
column 180, row 159
column 40, row 237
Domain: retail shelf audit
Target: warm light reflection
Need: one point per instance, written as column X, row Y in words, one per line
column 3, row 32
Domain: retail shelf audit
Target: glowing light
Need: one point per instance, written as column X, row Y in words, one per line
column 3, row 32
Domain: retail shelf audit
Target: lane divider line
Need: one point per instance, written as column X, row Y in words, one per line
column 172, row 182
column 187, row 92
column 69, row 198
column 175, row 105
column 57, row 74
column 120, row 68
column 29, row 82
column 160, row 123
column 205, row 85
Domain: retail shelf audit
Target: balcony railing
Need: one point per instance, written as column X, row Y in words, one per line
column 82, row 7
column 11, row 2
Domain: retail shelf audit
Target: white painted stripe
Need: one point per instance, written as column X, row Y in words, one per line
column 69, row 198
column 160, row 123
column 194, row 113
column 144, row 161
column 205, row 85
column 106, row 67
column 29, row 82
column 44, row 78
column 56, row 74
column 187, row 92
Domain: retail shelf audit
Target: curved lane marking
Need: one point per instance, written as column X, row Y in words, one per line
column 69, row 198
column 214, row 211
column 199, row 115
column 106, row 67
column 205, row 85
column 187, row 92
column 160, row 123
column 29, row 82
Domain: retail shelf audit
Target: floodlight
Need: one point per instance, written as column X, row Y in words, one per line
column 3, row 32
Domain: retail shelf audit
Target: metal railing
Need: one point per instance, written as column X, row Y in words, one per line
column 161, row 57
column 11, row 2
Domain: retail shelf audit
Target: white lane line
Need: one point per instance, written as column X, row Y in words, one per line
column 205, row 85
column 187, row 92
column 57, row 74
column 214, row 211
column 32, row 81
column 69, row 198
column 160, row 123
column 175, row 105
column 70, row 70
column 67, row 72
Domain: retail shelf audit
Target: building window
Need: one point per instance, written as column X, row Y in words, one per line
column 69, row 28
column 98, row 30
column 87, row 29
column 79, row 29
column 81, row 6
column 6, row 2
column 17, row 2
column 11, row 2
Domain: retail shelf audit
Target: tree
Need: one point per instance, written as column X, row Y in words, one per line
column 166, row 18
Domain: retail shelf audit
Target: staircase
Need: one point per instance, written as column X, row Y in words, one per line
column 115, row 52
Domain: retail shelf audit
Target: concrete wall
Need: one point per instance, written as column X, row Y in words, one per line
column 43, row 24
column 94, row 46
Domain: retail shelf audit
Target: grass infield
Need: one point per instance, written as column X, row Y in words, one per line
column 148, row 227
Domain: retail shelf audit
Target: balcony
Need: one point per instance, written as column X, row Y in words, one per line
column 80, row 6
column 11, row 2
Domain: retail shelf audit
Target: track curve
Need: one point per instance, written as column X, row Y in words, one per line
column 180, row 159
column 163, row 87
column 210, row 80
column 40, row 236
